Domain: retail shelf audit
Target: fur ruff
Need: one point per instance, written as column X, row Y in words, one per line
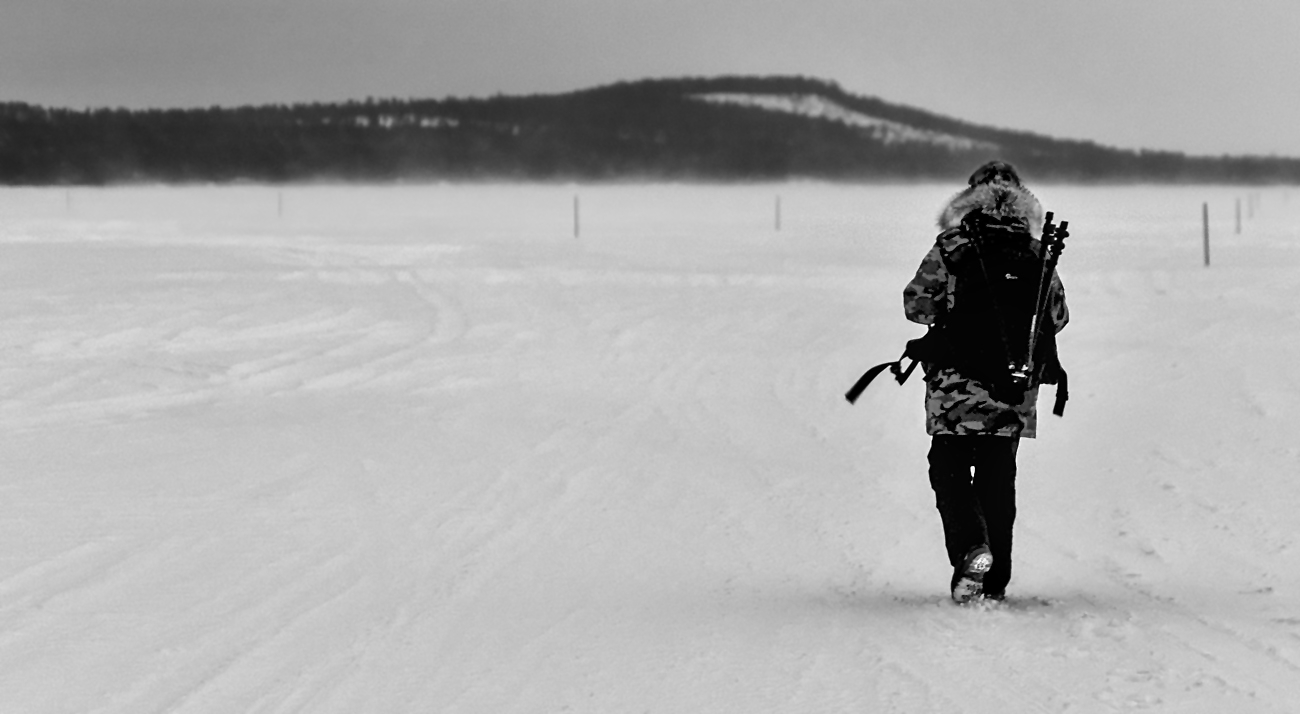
column 998, row 200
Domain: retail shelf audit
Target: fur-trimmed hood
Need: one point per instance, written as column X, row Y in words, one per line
column 999, row 199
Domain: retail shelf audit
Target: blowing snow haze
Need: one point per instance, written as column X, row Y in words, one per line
column 725, row 128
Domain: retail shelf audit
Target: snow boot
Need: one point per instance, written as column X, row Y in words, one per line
column 968, row 578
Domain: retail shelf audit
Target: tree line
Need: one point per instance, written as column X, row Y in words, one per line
column 652, row 129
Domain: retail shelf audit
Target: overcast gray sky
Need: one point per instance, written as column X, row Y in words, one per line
column 1190, row 75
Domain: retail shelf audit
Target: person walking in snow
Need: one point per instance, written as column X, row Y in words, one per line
column 978, row 410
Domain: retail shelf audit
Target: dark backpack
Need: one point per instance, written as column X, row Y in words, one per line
column 998, row 274
column 986, row 333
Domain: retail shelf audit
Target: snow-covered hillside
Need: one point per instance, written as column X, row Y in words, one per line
column 819, row 107
column 419, row 449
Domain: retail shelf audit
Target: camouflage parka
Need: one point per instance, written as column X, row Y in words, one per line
column 955, row 404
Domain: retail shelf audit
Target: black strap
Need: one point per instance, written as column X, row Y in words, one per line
column 895, row 367
column 901, row 375
column 1062, row 394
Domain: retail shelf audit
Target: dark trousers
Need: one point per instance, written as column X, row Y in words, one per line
column 974, row 482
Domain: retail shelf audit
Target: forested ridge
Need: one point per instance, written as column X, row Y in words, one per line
column 725, row 128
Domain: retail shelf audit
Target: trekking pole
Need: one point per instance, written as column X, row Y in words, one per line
column 1053, row 243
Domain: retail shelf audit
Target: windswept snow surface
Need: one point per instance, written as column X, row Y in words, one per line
column 419, row 449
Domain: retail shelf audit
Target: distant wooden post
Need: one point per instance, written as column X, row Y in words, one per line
column 1205, row 231
column 1238, row 216
column 576, row 222
column 778, row 214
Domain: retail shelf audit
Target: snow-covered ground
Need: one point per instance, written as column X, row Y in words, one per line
column 420, row 449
